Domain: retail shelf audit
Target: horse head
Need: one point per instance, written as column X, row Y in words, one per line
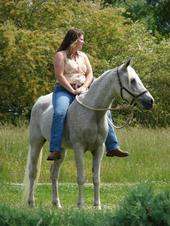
column 131, row 87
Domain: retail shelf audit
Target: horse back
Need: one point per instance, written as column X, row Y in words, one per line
column 40, row 118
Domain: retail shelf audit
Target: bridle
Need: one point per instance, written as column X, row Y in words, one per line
column 132, row 103
column 124, row 88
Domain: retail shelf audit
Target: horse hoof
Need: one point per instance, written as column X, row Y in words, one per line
column 31, row 204
column 80, row 206
column 57, row 205
column 97, row 207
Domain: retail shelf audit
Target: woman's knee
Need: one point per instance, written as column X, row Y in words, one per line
column 60, row 113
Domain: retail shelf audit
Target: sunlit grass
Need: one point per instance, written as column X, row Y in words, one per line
column 149, row 158
column 111, row 194
column 149, row 161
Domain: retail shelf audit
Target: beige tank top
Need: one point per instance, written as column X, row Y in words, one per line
column 75, row 70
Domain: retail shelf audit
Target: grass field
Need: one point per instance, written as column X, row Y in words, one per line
column 149, row 161
column 149, row 158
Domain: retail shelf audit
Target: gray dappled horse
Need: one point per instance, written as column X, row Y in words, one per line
column 85, row 129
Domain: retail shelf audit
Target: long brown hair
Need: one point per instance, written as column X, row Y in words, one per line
column 70, row 38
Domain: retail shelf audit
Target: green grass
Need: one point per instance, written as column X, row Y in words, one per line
column 119, row 201
column 149, row 161
column 111, row 194
column 64, row 217
column 149, row 158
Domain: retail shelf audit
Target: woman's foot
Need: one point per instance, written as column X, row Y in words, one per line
column 54, row 155
column 117, row 152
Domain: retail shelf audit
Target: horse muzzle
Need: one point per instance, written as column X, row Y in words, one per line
column 147, row 101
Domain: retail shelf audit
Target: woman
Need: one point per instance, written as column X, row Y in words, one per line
column 74, row 74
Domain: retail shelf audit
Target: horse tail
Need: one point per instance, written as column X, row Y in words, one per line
column 28, row 172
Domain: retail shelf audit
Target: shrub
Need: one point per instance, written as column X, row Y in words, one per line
column 143, row 207
column 31, row 33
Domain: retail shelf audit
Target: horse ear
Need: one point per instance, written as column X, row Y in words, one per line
column 128, row 62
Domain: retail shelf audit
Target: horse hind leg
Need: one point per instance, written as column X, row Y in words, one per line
column 97, row 157
column 32, row 169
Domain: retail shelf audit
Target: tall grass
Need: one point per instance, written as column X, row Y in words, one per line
column 141, row 205
column 149, row 158
column 148, row 161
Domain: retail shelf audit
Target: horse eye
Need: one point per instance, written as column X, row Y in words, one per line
column 133, row 81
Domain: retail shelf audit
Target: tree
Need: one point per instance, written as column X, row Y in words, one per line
column 154, row 13
column 30, row 35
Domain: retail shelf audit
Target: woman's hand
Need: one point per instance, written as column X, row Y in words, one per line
column 81, row 89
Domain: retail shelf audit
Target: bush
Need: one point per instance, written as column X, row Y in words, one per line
column 31, row 33
column 145, row 208
column 52, row 217
column 26, row 67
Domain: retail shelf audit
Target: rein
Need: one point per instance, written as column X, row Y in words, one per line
column 129, row 120
column 132, row 104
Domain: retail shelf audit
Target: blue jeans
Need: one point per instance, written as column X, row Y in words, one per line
column 111, row 140
column 61, row 100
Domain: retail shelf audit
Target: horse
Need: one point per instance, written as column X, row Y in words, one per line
column 85, row 129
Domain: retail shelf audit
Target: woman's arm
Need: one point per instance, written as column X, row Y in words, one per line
column 89, row 72
column 89, row 76
column 59, row 71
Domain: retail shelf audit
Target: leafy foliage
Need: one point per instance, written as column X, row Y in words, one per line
column 143, row 207
column 44, row 217
column 30, row 33
column 26, row 65
column 155, row 14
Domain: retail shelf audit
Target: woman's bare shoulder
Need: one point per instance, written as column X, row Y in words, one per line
column 59, row 55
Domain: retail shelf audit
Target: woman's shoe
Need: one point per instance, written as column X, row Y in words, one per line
column 117, row 152
column 54, row 155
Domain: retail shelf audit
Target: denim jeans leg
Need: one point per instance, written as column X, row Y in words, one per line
column 111, row 140
column 61, row 101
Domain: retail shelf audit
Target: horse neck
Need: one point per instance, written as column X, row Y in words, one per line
column 102, row 91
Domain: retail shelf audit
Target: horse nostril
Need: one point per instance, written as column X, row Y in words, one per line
column 152, row 101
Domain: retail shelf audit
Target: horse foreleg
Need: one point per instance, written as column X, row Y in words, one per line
column 55, row 171
column 79, row 158
column 97, row 157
